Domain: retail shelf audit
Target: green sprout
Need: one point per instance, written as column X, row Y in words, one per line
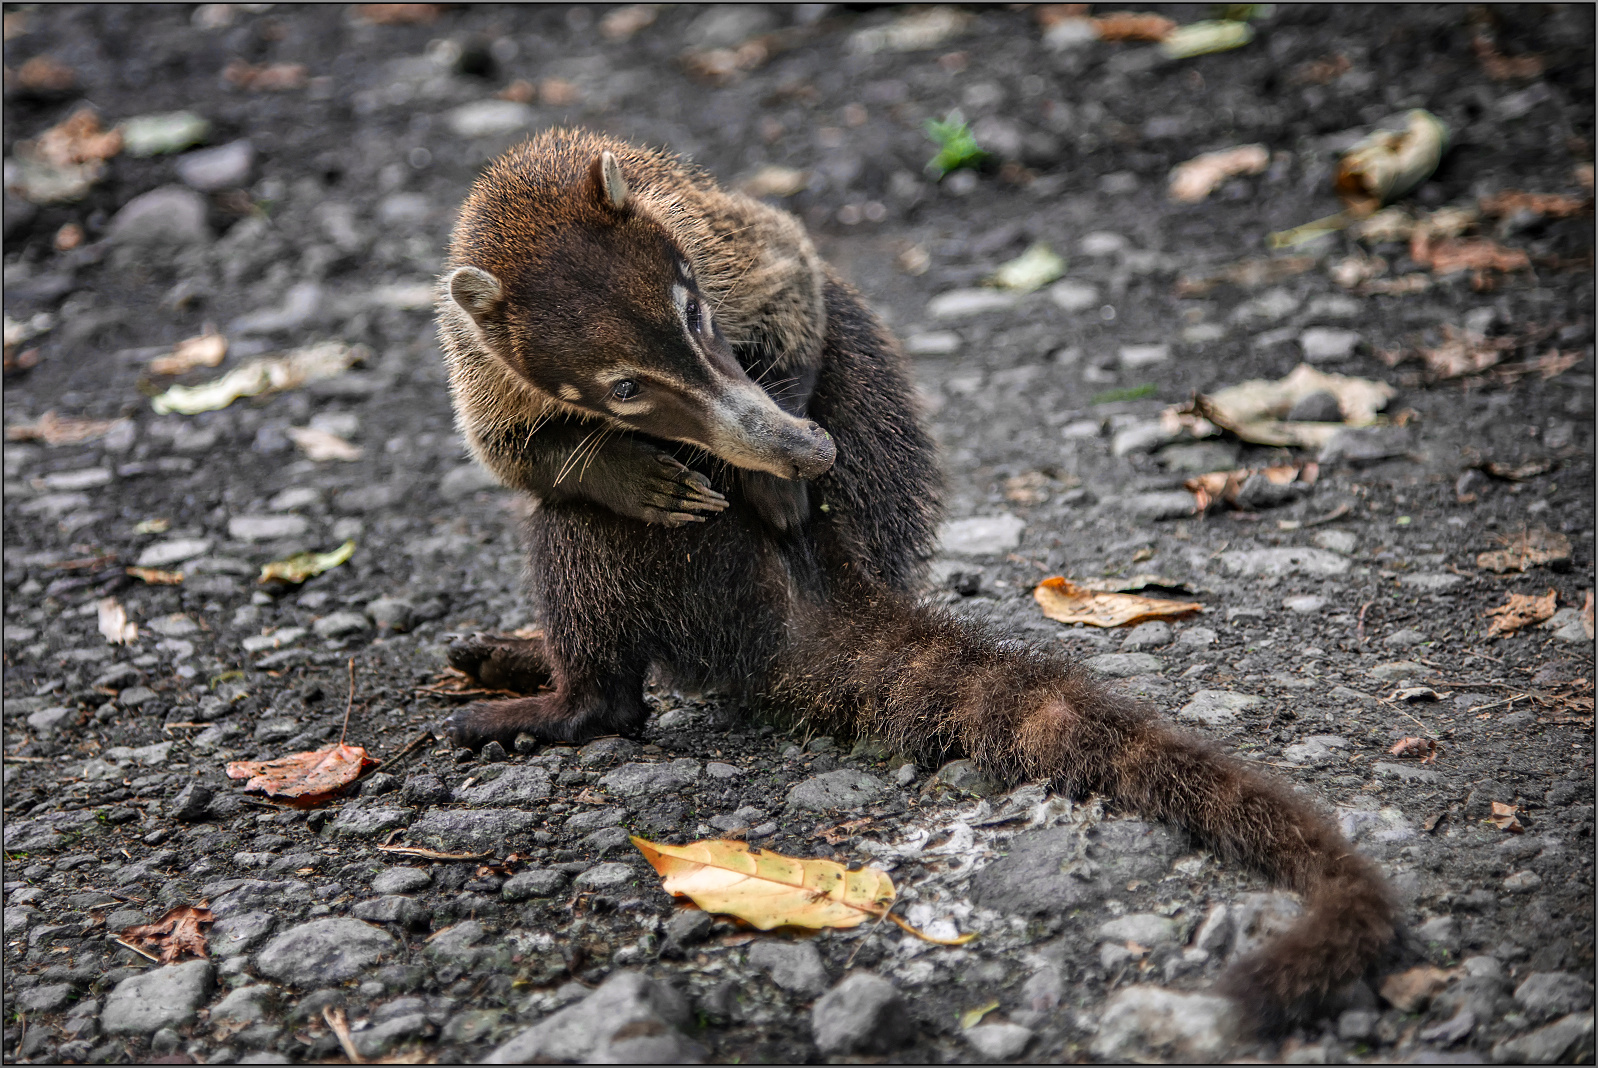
column 956, row 147
column 1130, row 393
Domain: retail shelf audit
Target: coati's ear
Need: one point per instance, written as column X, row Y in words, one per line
column 609, row 186
column 477, row 292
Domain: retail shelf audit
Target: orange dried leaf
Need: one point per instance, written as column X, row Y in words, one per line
column 1586, row 616
column 1530, row 548
column 1550, row 205
column 303, row 779
column 156, row 577
column 269, row 78
column 1066, row 602
column 1504, row 818
column 78, row 139
column 53, row 429
column 398, row 14
column 1425, row 748
column 1197, row 178
column 173, row 935
column 1131, row 26
column 1464, row 353
column 1521, row 610
column 1475, row 254
column 204, row 350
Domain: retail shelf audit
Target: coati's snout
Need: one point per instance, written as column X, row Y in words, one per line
column 605, row 315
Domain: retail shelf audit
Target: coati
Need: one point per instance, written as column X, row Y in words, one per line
column 730, row 484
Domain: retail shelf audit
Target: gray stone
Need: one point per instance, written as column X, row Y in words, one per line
column 1052, row 870
column 983, row 535
column 1305, row 604
column 1151, row 635
column 1158, row 505
column 1196, row 637
column 964, row 776
column 1323, row 344
column 638, row 780
column 173, row 551
column 48, row 720
column 164, row 997
column 470, row 1026
column 1259, row 917
column 1319, row 407
column 1144, row 928
column 246, row 1005
column 1366, row 444
column 324, row 951
column 794, row 966
column 1073, row 296
column 392, row 908
column 239, row 932
column 1137, row 357
column 604, row 840
column 863, row 1014
column 267, row 527
column 1215, row 708
column 1452, row 1030
column 1547, row 994
column 339, row 624
column 1125, row 665
column 391, row 613
column 601, row 1027
column 602, row 751
column 379, row 1038
column 605, row 876
column 191, row 803
column 960, row 303
column 1566, row 1041
column 474, row 830
column 1139, row 437
column 48, row 997
column 1317, row 749
column 168, row 215
column 1431, row 580
column 1285, row 561
column 1403, row 639
column 535, row 883
column 1398, row 670
column 134, row 696
column 999, row 1041
column 516, row 785
column 1406, row 772
column 223, row 167
column 1484, row 967
column 489, row 118
column 300, row 307
column 717, row 770
column 1150, row 1023
column 688, row 927
column 932, row 343
column 594, row 819
column 1199, row 457
column 1337, row 541
column 465, row 480
column 1358, row 1025
column 401, row 880
column 835, row 791
column 370, row 821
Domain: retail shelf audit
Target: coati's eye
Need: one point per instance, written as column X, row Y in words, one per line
column 691, row 313
column 625, row 389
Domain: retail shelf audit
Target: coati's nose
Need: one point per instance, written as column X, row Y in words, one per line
column 815, row 459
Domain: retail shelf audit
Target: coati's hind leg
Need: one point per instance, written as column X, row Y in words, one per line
column 576, row 710
column 501, row 663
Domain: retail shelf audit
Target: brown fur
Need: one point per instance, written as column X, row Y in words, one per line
column 798, row 593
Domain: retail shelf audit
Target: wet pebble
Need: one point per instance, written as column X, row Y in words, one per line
column 1125, row 665
column 1151, row 1023
column 863, row 1014
column 605, row 876
column 171, row 214
column 1151, row 635
column 538, row 882
column 223, row 167
column 629, row 1019
column 794, row 966
column 474, row 830
column 638, row 780
column 1322, row 344
column 324, row 951
column 999, row 1041
column 167, row 996
column 841, row 790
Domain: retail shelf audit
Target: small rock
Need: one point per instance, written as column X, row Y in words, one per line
column 1317, row 749
column 1452, row 1030
column 688, row 927
column 638, row 780
column 1200, row 457
column 1566, row 1041
column 1151, row 635
column 1144, row 928
column 392, row 908
column 1159, row 505
column 517, row 785
column 474, row 830
column 841, row 790
column 1125, row 665
column 1139, row 437
column 1286, row 561
column 488, row 118
column 239, row 932
column 1152, row 1023
column 267, row 527
column 1406, row 772
column 628, row 1019
column 47, row 720
column 794, row 966
column 1196, row 637
column 1073, row 296
column 594, row 819
column 1341, row 542
column 134, row 696
column 1307, row 604
column 324, row 951
column 932, row 343
column 246, row 1005
column 173, row 551
column 1547, row 994
column 339, row 624
column 863, row 1014
column 424, row 789
column 1318, row 407
column 1431, row 580
column 374, row 1041
column 981, row 535
column 1137, row 357
column 379, row 783
column 1398, row 670
column 1324, row 344
column 1366, row 444
column 999, row 1041
column 171, row 214
column 48, row 997
column 191, row 803
column 965, row 777
column 717, row 770
column 401, row 880
column 959, row 303
column 1403, row 639
column 167, row 996
column 1215, row 708
column 605, row 876
column 537, row 882
column 369, row 821
column 1358, row 1025
column 223, row 167
column 465, row 480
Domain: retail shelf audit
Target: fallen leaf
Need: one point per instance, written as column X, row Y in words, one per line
column 1586, row 616
column 1202, row 38
column 1255, row 410
column 1476, row 254
column 1530, row 548
column 1249, row 274
column 1516, row 472
column 1200, row 176
column 1321, row 71
column 1549, row 205
column 971, row 1017
column 64, row 162
column 1521, row 610
column 1416, row 693
column 1131, row 26
column 77, row 140
column 325, row 359
column 1385, row 165
column 53, row 429
column 1425, row 748
column 204, row 350
column 322, row 445
column 1504, row 818
column 46, row 74
column 173, row 935
column 155, row 577
column 915, row 32
column 301, row 566
column 775, row 181
column 1502, row 68
column 1232, row 487
column 267, row 78
column 152, row 526
column 767, row 889
column 1067, row 602
column 622, row 22
column 69, row 237
column 398, row 14
column 424, row 853
column 303, row 779
column 1464, row 353
column 114, row 623
column 1547, row 366
column 1141, row 581
column 1032, row 270
column 1412, row 990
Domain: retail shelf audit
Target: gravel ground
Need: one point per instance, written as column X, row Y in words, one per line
column 325, row 220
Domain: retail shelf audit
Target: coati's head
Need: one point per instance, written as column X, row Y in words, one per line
column 577, row 289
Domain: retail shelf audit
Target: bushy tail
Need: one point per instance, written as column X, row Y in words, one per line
column 873, row 661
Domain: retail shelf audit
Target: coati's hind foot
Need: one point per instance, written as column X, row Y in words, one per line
column 549, row 717
column 500, row 663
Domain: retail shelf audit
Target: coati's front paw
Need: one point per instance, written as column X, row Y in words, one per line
column 475, row 725
column 781, row 502
column 520, row 664
column 674, row 494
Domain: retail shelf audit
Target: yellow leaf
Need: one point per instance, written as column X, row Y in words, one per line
column 972, row 1017
column 767, row 889
column 1065, row 601
column 302, row 566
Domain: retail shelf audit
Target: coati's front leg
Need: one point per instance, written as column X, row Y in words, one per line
column 570, row 460
column 782, row 502
column 503, row 663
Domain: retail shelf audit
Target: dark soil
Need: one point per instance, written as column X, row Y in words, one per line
column 341, row 222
